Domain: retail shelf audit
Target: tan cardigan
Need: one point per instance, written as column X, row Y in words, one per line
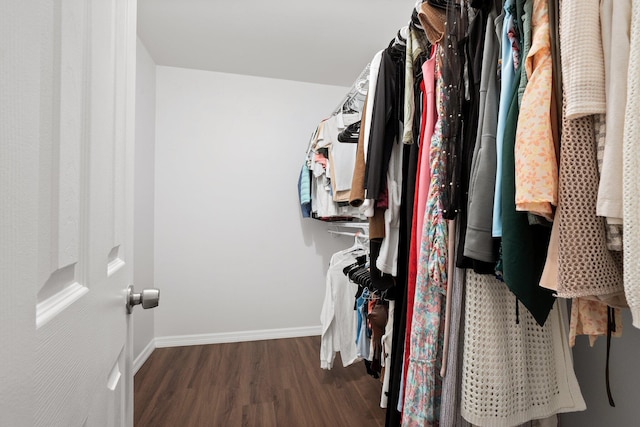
column 357, row 184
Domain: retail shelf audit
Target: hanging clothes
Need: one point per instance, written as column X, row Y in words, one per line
column 583, row 75
column 415, row 49
column 526, row 40
column 615, row 19
column 591, row 318
column 338, row 318
column 471, row 47
column 387, row 350
column 455, row 74
column 612, row 229
column 387, row 260
column 374, row 72
column 304, row 191
column 587, row 267
column 434, row 19
column 508, row 365
column 423, row 179
column 631, row 174
column 342, row 156
column 422, row 383
column 535, row 153
column 409, row 169
column 326, row 201
column 510, row 63
column 524, row 246
column 386, row 119
column 450, row 415
column 460, row 171
column 479, row 242
column 363, row 336
column 357, row 194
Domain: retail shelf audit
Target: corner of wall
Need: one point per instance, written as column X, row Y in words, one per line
column 143, row 356
column 144, row 189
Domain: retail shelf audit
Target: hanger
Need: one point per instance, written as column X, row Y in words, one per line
column 351, row 133
column 440, row 4
column 404, row 33
column 362, row 277
column 399, row 43
column 350, row 107
column 360, row 238
column 376, row 295
column 401, row 37
column 358, row 243
column 351, row 268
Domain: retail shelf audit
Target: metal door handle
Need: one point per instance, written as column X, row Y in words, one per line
column 148, row 298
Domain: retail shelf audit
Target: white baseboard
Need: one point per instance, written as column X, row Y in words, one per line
column 144, row 355
column 229, row 337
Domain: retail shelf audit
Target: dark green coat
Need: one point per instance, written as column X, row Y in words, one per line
column 524, row 246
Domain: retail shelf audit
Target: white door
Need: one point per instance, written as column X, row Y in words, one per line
column 67, row 76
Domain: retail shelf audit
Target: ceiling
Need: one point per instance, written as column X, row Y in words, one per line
column 320, row 41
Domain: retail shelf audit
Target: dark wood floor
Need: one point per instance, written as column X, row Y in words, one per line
column 261, row 383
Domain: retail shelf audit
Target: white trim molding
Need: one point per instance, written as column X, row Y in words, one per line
column 144, row 355
column 56, row 304
column 242, row 336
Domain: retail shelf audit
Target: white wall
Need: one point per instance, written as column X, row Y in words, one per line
column 232, row 252
column 143, row 323
column 624, row 375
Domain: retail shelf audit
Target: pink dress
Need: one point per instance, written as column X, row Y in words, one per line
column 422, row 190
column 423, row 383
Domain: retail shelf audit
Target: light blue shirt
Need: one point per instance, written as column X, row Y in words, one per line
column 363, row 342
column 506, row 94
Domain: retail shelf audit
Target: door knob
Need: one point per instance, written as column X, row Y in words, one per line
column 148, row 298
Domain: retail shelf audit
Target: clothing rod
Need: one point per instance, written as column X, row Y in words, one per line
column 360, row 86
column 351, row 224
column 356, row 88
column 346, row 233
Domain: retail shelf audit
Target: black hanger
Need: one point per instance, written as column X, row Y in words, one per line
column 440, row 4
column 415, row 21
column 351, row 133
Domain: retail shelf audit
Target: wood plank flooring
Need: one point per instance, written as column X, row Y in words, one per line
column 262, row 383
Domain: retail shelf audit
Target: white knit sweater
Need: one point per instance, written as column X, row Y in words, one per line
column 615, row 19
column 582, row 58
column 631, row 173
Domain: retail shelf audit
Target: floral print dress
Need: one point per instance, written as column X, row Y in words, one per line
column 423, row 384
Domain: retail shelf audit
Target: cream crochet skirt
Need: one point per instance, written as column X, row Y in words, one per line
column 513, row 372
